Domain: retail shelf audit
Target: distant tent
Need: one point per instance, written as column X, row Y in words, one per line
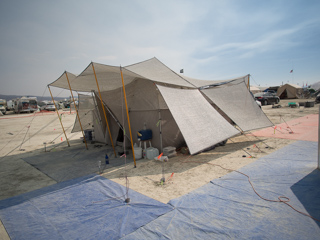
column 254, row 89
column 289, row 91
column 186, row 108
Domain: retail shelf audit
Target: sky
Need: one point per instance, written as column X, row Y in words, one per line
column 210, row 40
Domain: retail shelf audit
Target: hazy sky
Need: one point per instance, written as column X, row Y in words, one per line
column 209, row 39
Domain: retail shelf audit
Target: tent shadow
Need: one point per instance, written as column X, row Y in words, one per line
column 308, row 193
column 179, row 164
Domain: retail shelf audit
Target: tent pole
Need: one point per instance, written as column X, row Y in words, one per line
column 125, row 100
column 59, row 117
column 84, row 138
column 104, row 111
column 160, row 131
column 248, row 82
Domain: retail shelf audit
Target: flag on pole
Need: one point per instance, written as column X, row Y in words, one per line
column 291, row 71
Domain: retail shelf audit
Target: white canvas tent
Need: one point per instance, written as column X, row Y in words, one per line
column 289, row 91
column 184, row 107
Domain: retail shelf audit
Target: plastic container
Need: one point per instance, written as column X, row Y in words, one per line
column 169, row 151
column 162, row 159
column 152, row 153
column 137, row 151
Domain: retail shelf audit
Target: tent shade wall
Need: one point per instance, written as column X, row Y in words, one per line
column 289, row 91
column 85, row 110
column 203, row 83
column 114, row 125
column 144, row 104
column 235, row 100
column 201, row 125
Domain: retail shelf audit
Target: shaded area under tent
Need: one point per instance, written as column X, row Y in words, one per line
column 76, row 162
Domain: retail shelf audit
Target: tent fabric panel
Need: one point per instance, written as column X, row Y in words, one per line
column 200, row 124
column 236, row 101
column 112, row 121
column 155, row 70
column 108, row 77
column 62, row 81
column 85, row 107
column 202, row 83
column 99, row 134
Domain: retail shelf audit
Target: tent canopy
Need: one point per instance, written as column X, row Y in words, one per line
column 186, row 108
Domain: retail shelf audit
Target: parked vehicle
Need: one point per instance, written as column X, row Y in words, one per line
column 258, row 102
column 48, row 107
column 25, row 104
column 10, row 105
column 267, row 98
column 3, row 106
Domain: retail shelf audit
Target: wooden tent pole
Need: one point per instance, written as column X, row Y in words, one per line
column 125, row 100
column 104, row 111
column 59, row 117
column 248, row 82
column 84, row 138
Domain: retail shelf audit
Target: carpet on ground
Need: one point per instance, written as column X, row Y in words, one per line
column 303, row 128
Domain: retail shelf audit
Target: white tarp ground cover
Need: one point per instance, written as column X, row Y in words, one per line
column 235, row 100
column 200, row 124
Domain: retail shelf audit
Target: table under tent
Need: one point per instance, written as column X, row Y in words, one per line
column 177, row 109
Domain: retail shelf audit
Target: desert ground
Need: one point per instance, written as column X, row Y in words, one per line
column 27, row 135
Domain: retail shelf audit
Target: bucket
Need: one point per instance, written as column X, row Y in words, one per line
column 137, row 152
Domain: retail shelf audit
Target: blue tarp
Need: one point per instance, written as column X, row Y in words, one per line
column 228, row 208
column 90, row 207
